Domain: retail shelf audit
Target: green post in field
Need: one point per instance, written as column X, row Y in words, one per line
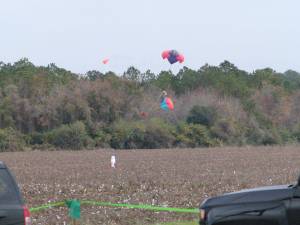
column 74, row 210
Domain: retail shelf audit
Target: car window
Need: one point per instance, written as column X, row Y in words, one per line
column 8, row 193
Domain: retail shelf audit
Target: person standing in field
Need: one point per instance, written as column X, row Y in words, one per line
column 113, row 161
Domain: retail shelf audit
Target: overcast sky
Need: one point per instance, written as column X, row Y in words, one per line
column 79, row 34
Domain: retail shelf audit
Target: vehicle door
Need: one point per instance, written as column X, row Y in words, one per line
column 11, row 208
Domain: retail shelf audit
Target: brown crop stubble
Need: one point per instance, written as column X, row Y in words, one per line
column 173, row 177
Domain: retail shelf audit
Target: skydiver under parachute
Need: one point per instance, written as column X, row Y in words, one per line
column 165, row 102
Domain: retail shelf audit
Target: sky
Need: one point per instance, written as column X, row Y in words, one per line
column 79, row 34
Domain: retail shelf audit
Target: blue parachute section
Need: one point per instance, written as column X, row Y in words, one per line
column 173, row 56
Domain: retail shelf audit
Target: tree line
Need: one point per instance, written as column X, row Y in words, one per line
column 45, row 107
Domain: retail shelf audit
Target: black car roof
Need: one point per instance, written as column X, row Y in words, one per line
column 2, row 165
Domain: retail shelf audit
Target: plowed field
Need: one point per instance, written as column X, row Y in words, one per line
column 174, row 178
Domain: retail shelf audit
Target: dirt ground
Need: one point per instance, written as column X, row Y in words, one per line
column 173, row 177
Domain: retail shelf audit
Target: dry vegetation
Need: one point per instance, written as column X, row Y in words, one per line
column 177, row 178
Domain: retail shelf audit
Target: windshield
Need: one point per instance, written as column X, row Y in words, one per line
column 8, row 193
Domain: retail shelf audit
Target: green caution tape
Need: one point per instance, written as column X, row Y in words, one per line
column 140, row 206
column 108, row 204
column 47, row 206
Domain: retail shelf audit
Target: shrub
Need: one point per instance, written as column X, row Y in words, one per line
column 154, row 133
column 194, row 135
column 102, row 139
column 127, row 135
column 73, row 136
column 296, row 133
column 287, row 136
column 272, row 137
column 159, row 134
column 229, row 132
column 204, row 115
column 36, row 138
column 11, row 140
column 260, row 136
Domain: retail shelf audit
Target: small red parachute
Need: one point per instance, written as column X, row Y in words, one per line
column 143, row 114
column 105, row 61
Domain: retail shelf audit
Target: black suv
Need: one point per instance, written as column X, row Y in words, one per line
column 12, row 208
column 274, row 205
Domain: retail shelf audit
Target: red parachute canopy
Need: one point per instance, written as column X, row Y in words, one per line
column 105, row 61
column 173, row 56
column 165, row 54
column 180, row 58
column 144, row 114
